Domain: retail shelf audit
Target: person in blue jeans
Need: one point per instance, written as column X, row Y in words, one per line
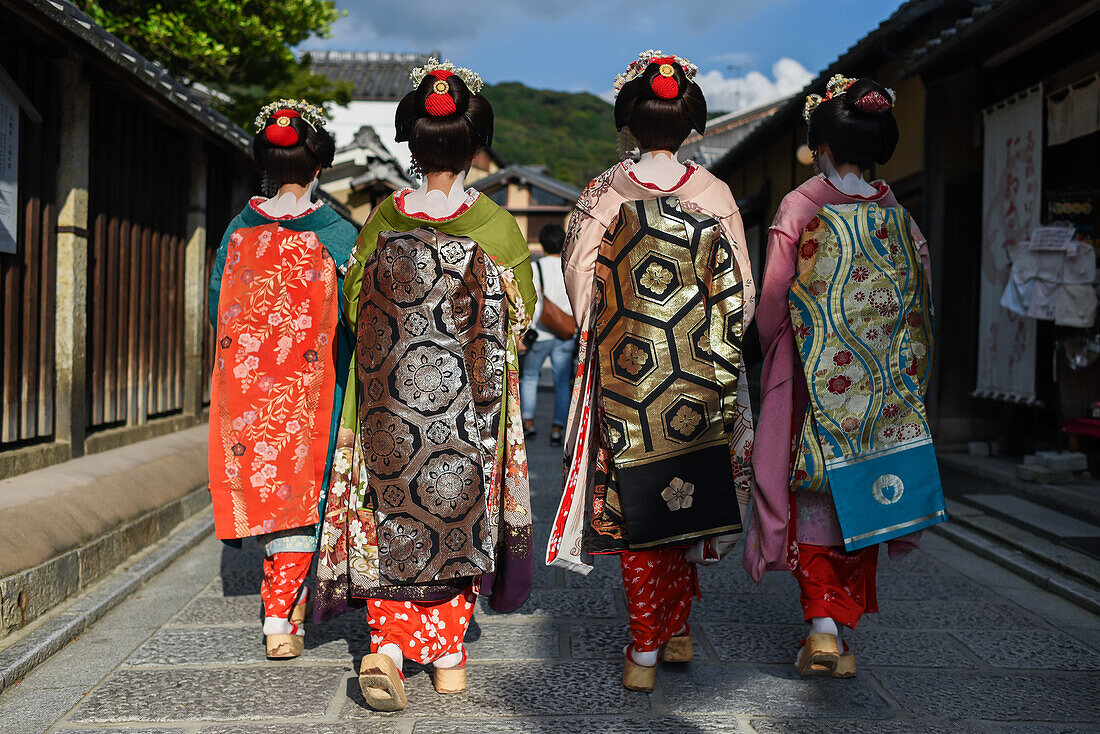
column 550, row 285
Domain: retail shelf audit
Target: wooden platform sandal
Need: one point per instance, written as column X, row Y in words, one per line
column 636, row 677
column 678, row 649
column 382, row 683
column 450, row 680
column 818, row 656
column 281, row 647
column 845, row 664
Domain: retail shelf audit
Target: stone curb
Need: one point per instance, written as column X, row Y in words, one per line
column 60, row 629
column 1019, row 563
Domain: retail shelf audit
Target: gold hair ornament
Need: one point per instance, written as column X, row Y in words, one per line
column 313, row 115
column 472, row 80
column 638, row 67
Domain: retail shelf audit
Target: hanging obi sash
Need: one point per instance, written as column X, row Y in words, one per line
column 431, row 360
column 668, row 331
column 862, row 320
column 274, row 381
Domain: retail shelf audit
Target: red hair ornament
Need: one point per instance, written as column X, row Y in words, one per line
column 439, row 103
column 873, row 103
column 664, row 84
column 279, row 130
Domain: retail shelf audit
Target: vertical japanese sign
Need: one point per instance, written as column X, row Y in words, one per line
column 9, row 171
column 1011, row 200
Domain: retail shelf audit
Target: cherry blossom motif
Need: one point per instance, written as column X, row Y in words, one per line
column 633, row 358
column 842, row 358
column 685, row 420
column 678, row 494
column 656, row 278
column 808, row 249
column 659, row 586
column 839, row 385
column 425, row 631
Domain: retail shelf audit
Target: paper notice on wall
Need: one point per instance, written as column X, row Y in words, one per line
column 9, row 171
column 1011, row 200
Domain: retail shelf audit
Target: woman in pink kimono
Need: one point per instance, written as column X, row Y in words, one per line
column 843, row 458
column 659, row 432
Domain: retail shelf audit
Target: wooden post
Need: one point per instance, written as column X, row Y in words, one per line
column 195, row 282
column 72, row 255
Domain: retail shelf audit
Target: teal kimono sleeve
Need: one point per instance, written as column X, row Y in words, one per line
column 215, row 288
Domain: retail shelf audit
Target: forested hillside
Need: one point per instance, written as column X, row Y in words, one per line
column 572, row 134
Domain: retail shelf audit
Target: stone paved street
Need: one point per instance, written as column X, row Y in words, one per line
column 961, row 645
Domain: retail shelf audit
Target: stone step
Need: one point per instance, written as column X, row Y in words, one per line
column 1073, row 576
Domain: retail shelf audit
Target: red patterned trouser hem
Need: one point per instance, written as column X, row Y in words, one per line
column 659, row 587
column 424, row 631
column 837, row 584
column 284, row 574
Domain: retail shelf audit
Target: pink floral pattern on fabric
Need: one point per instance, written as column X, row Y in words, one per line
column 273, row 382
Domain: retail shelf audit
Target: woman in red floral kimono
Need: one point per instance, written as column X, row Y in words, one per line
column 660, row 430
column 429, row 504
column 274, row 299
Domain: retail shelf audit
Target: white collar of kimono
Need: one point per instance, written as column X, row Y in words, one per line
column 287, row 204
column 849, row 183
column 435, row 203
column 660, row 169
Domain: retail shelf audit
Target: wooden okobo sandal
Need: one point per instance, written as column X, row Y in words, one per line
column 450, row 680
column 281, row 647
column 677, row 650
column 382, row 684
column 845, row 664
column 818, row 656
column 638, row 677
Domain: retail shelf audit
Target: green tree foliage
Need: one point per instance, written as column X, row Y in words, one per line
column 238, row 48
column 572, row 134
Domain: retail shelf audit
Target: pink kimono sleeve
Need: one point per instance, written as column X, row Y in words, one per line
column 766, row 542
column 582, row 247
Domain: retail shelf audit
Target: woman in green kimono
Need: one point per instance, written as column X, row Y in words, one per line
column 432, row 503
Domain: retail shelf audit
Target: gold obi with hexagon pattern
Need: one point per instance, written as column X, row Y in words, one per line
column 669, row 329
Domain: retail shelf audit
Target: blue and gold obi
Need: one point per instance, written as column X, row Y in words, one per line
column 862, row 319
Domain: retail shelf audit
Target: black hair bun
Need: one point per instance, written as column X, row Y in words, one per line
column 858, row 125
column 661, row 106
column 444, row 123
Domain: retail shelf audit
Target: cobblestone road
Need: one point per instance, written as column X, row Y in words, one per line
column 961, row 645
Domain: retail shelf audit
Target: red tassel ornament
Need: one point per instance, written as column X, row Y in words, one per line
column 279, row 130
column 439, row 102
column 664, row 84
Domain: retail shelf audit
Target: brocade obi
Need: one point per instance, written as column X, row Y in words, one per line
column 431, row 361
column 862, row 319
column 668, row 329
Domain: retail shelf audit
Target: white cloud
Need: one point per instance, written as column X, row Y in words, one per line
column 754, row 88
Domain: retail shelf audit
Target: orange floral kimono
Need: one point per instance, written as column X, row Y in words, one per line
column 274, row 381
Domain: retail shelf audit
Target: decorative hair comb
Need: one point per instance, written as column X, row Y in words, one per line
column 435, row 68
column 838, row 85
column 660, row 88
column 313, row 115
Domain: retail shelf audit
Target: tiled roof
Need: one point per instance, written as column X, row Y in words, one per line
column 961, row 29
column 872, row 44
column 375, row 75
column 188, row 101
column 536, row 176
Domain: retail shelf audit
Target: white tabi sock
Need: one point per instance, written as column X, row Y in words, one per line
column 281, row 626
column 393, row 652
column 825, row 625
column 648, row 659
column 449, row 661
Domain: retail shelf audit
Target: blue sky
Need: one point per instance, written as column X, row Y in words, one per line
column 748, row 51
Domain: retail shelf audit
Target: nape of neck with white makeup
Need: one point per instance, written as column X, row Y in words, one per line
column 435, row 203
column 289, row 204
column 659, row 168
column 850, row 183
